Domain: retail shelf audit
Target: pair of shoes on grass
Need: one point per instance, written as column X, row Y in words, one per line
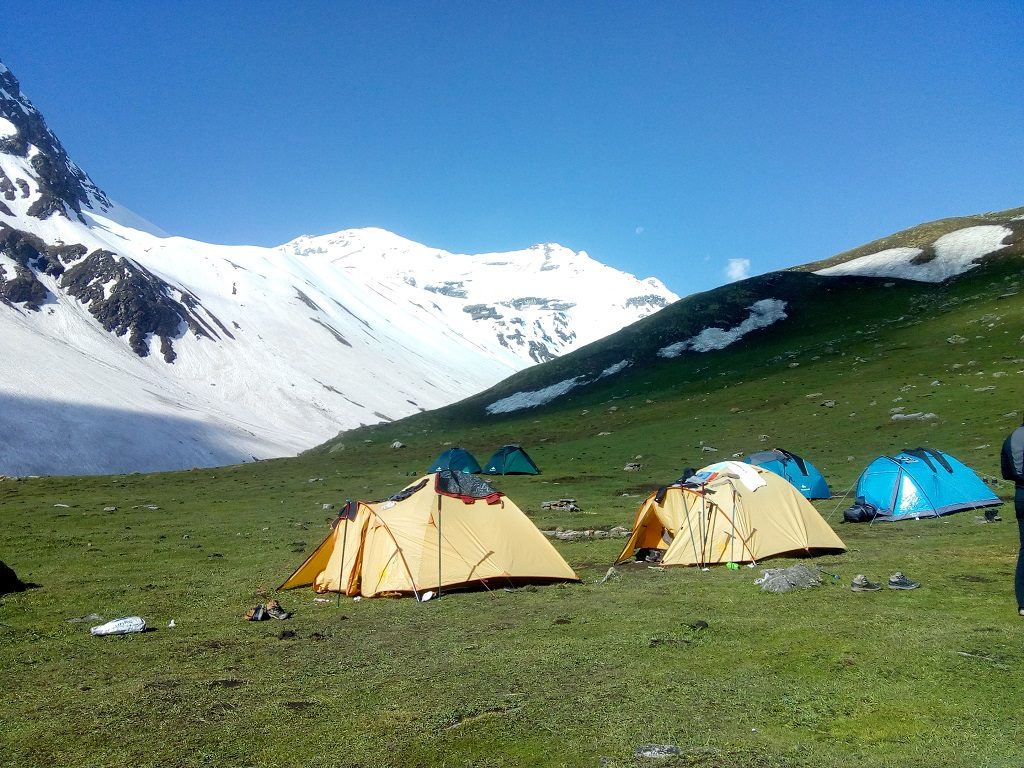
column 896, row 581
column 261, row 612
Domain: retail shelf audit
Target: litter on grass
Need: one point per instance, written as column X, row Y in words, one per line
column 122, row 626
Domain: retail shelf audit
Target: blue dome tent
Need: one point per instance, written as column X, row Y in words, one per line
column 510, row 460
column 803, row 475
column 455, row 458
column 921, row 482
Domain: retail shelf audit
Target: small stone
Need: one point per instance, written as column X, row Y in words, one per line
column 657, row 751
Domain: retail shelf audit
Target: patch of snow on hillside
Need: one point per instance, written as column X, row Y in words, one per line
column 521, row 400
column 955, row 253
column 961, row 249
column 613, row 369
column 762, row 314
column 892, row 262
column 7, row 128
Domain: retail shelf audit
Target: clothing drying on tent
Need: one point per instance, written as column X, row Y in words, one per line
column 729, row 512
column 446, row 530
column 804, row 476
column 510, row 460
column 458, row 459
column 921, row 482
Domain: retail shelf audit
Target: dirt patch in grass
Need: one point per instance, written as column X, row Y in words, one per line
column 226, row 682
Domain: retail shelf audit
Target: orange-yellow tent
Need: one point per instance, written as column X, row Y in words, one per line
column 446, row 530
column 730, row 512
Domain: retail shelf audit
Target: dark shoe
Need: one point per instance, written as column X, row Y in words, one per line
column 259, row 613
column 899, row 581
column 274, row 609
column 861, row 584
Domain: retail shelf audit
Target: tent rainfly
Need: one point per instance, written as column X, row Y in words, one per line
column 729, row 512
column 804, row 476
column 447, row 530
column 921, row 482
column 510, row 460
column 458, row 459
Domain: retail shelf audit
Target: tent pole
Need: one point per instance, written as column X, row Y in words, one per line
column 439, row 545
column 344, row 538
column 689, row 525
column 732, row 539
column 709, row 540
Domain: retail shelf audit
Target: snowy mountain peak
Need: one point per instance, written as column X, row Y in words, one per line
column 123, row 348
column 61, row 186
column 538, row 302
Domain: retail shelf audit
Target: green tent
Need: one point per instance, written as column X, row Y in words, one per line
column 510, row 460
column 455, row 458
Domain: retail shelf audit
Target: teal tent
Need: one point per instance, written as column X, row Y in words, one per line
column 455, row 458
column 510, row 460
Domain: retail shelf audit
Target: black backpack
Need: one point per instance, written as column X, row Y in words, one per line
column 860, row 512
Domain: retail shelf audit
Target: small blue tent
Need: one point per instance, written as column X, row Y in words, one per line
column 921, row 482
column 803, row 475
column 455, row 458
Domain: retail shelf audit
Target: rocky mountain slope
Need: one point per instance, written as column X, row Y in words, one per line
column 126, row 349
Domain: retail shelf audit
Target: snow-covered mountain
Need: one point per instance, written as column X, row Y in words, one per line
column 125, row 349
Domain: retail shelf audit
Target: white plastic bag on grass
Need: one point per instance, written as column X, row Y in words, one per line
column 122, row 626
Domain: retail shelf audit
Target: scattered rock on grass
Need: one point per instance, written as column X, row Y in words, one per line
column 657, row 751
column 787, row 579
column 561, row 505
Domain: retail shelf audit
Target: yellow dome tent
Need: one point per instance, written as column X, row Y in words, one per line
column 446, row 530
column 729, row 512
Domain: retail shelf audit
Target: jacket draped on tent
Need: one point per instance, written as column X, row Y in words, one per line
column 729, row 512
column 446, row 530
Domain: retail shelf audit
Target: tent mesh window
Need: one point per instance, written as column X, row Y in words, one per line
column 451, row 482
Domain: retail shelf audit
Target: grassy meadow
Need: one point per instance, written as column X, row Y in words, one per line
column 564, row 675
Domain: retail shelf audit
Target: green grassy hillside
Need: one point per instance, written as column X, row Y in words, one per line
column 572, row 675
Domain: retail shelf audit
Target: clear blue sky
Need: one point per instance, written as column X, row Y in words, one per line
column 664, row 138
